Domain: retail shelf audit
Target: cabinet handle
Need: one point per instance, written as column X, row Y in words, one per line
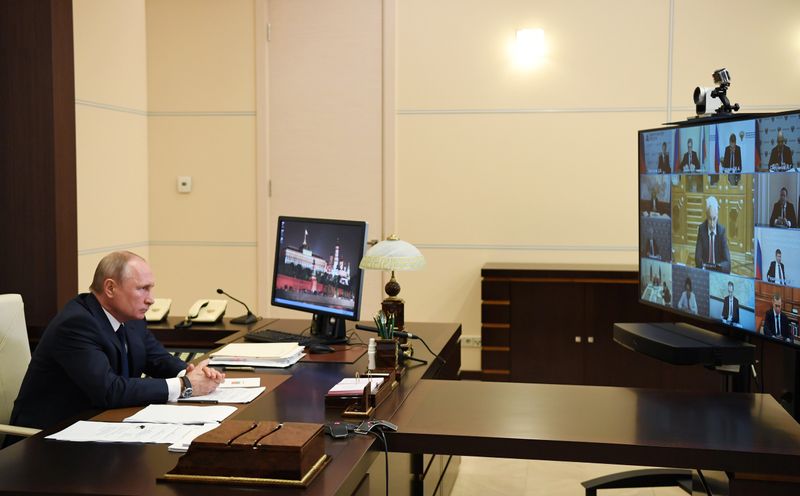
column 590, row 339
column 577, row 339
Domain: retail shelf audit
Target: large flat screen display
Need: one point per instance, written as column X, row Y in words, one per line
column 718, row 223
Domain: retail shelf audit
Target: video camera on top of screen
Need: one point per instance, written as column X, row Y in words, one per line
column 705, row 98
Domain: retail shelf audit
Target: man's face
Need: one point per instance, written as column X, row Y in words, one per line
column 733, row 142
column 778, row 257
column 730, row 289
column 781, row 139
column 776, row 306
column 712, row 214
column 689, row 147
column 131, row 297
column 664, row 148
column 783, row 196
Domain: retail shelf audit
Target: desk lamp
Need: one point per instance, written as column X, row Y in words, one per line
column 393, row 254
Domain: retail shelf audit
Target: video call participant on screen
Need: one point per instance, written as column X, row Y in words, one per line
column 776, row 325
column 783, row 214
column 711, row 251
column 730, row 307
column 93, row 353
column 732, row 161
column 664, row 166
column 780, row 158
column 688, row 303
column 690, row 162
column 651, row 247
column 665, row 294
column 776, row 273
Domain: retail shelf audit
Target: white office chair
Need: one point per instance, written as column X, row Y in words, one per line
column 15, row 354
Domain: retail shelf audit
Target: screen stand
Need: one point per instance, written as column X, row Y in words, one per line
column 328, row 328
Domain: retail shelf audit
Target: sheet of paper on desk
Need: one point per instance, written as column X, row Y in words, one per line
column 240, row 382
column 229, row 395
column 181, row 414
column 120, row 432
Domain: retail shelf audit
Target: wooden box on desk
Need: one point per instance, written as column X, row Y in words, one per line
column 243, row 451
column 363, row 405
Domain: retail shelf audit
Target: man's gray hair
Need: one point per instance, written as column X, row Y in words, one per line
column 112, row 266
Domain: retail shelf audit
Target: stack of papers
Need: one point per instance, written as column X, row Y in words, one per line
column 354, row 386
column 258, row 354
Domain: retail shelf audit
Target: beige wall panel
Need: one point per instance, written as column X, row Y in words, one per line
column 454, row 54
column 200, row 55
column 111, row 178
column 758, row 42
column 325, row 116
column 187, row 273
column 219, row 154
column 521, row 179
column 110, row 52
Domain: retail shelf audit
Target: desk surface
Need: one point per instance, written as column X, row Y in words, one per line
column 734, row 432
column 40, row 466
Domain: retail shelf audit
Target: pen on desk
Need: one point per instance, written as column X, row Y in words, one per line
column 242, row 369
column 197, row 400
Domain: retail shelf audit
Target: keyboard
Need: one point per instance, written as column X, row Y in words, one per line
column 273, row 336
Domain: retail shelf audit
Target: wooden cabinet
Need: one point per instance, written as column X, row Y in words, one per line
column 554, row 324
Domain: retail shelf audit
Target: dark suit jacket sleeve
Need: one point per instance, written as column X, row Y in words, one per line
column 736, row 310
column 723, row 255
column 86, row 358
column 700, row 246
column 771, row 272
column 790, row 214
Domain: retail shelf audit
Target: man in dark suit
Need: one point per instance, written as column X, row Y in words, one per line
column 732, row 160
column 650, row 246
column 711, row 251
column 780, row 158
column 776, row 273
column 664, row 167
column 776, row 325
column 730, row 307
column 690, row 162
column 93, row 353
column 783, row 214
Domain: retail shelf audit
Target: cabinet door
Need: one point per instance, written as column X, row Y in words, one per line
column 606, row 362
column 546, row 318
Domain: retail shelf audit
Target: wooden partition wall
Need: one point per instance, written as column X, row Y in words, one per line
column 37, row 156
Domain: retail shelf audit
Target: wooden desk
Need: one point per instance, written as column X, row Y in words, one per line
column 39, row 466
column 740, row 433
column 201, row 336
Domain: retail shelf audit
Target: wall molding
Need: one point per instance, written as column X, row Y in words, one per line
column 171, row 243
column 586, row 110
column 155, row 113
column 503, row 247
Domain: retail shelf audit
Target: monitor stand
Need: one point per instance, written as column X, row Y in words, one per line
column 329, row 328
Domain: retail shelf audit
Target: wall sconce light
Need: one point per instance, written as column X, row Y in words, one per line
column 529, row 47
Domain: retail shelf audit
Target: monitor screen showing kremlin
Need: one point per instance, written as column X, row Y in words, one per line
column 316, row 266
column 719, row 238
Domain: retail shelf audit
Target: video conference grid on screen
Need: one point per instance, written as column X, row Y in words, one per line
column 718, row 223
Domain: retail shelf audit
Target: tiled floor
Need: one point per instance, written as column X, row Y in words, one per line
column 497, row 476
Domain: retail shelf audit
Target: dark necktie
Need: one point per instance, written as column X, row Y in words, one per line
column 122, row 335
column 777, row 325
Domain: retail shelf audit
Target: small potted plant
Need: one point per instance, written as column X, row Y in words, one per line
column 386, row 347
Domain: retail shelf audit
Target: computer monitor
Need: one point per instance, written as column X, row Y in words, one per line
column 719, row 238
column 316, row 271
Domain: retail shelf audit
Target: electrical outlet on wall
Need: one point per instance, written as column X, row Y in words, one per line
column 470, row 341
